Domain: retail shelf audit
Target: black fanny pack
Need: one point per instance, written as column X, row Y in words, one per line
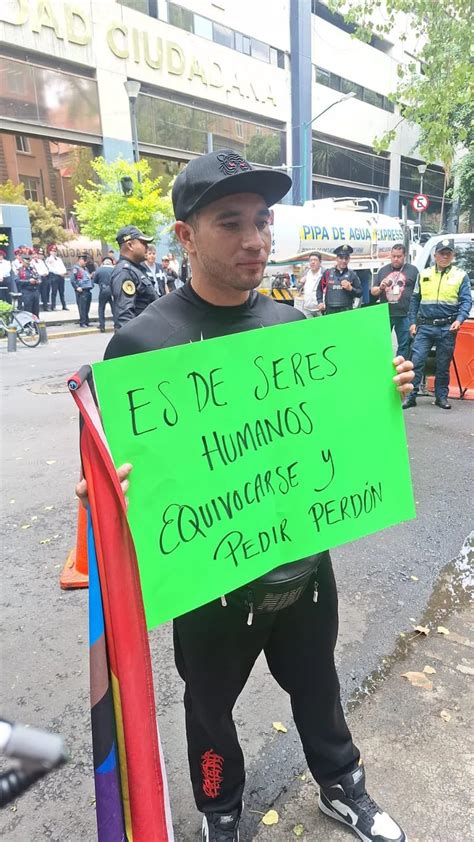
column 277, row 589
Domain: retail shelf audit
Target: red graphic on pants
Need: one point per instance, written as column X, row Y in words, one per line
column 211, row 767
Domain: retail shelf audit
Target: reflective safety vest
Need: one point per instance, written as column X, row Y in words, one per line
column 436, row 287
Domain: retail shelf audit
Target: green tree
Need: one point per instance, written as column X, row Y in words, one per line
column 82, row 171
column 46, row 222
column 464, row 181
column 12, row 194
column 103, row 207
column 435, row 89
column 46, row 219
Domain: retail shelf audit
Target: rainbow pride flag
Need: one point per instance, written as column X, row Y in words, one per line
column 132, row 802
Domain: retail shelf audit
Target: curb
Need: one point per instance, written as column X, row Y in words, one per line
column 65, row 334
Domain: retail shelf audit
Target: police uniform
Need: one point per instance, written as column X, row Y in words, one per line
column 440, row 298
column 81, row 280
column 132, row 287
column 29, row 285
column 330, row 290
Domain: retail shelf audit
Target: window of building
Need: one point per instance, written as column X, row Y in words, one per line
column 260, row 50
column 410, row 181
column 22, row 143
column 203, row 27
column 373, row 98
column 176, row 126
column 388, row 105
column 223, row 35
column 343, row 163
column 50, row 97
column 138, row 5
column 348, row 87
column 180, row 17
column 32, row 187
column 242, row 43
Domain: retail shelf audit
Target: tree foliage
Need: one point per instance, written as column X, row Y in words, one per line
column 46, row 219
column 12, row 194
column 264, row 149
column 47, row 225
column 102, row 207
column 435, row 89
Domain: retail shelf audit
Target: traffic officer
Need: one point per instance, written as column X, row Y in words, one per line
column 132, row 287
column 29, row 282
column 440, row 303
column 340, row 285
column 82, row 284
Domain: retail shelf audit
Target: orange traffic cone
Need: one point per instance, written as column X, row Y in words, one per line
column 76, row 570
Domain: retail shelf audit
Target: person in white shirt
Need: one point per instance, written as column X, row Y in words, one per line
column 6, row 278
column 38, row 264
column 309, row 284
column 57, row 273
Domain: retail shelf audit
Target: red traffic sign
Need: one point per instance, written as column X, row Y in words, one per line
column 420, row 202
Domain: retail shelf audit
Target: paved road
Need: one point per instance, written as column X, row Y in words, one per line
column 44, row 630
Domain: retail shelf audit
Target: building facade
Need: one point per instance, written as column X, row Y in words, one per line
column 251, row 76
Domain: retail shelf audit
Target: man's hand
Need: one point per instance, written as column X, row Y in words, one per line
column 321, row 308
column 404, row 376
column 455, row 326
column 122, row 473
column 376, row 290
column 346, row 284
column 412, row 330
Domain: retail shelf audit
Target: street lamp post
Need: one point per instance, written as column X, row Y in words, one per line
column 306, row 127
column 133, row 89
column 421, row 169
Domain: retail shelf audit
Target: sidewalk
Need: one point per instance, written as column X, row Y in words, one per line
column 63, row 323
column 416, row 747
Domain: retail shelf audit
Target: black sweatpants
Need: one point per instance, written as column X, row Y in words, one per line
column 215, row 651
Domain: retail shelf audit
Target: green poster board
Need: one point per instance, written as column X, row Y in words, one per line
column 256, row 449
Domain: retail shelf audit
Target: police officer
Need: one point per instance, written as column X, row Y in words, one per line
column 440, row 303
column 29, row 283
column 82, row 284
column 339, row 285
column 132, row 288
column 102, row 278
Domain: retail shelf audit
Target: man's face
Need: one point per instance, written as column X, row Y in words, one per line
column 342, row 261
column 444, row 258
column 137, row 250
column 81, row 261
column 398, row 258
column 150, row 257
column 314, row 263
column 231, row 242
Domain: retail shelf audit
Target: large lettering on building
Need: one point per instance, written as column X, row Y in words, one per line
column 71, row 23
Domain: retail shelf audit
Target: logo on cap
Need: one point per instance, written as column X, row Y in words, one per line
column 445, row 242
column 230, row 163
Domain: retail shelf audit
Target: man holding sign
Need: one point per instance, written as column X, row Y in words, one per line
column 222, row 209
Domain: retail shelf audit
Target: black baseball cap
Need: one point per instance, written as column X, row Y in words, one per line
column 445, row 243
column 220, row 174
column 131, row 232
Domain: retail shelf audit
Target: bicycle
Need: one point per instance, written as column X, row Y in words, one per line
column 26, row 324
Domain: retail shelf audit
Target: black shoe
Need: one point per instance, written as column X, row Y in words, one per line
column 221, row 827
column 349, row 803
column 409, row 402
column 102, row 329
column 443, row 404
column 65, row 308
